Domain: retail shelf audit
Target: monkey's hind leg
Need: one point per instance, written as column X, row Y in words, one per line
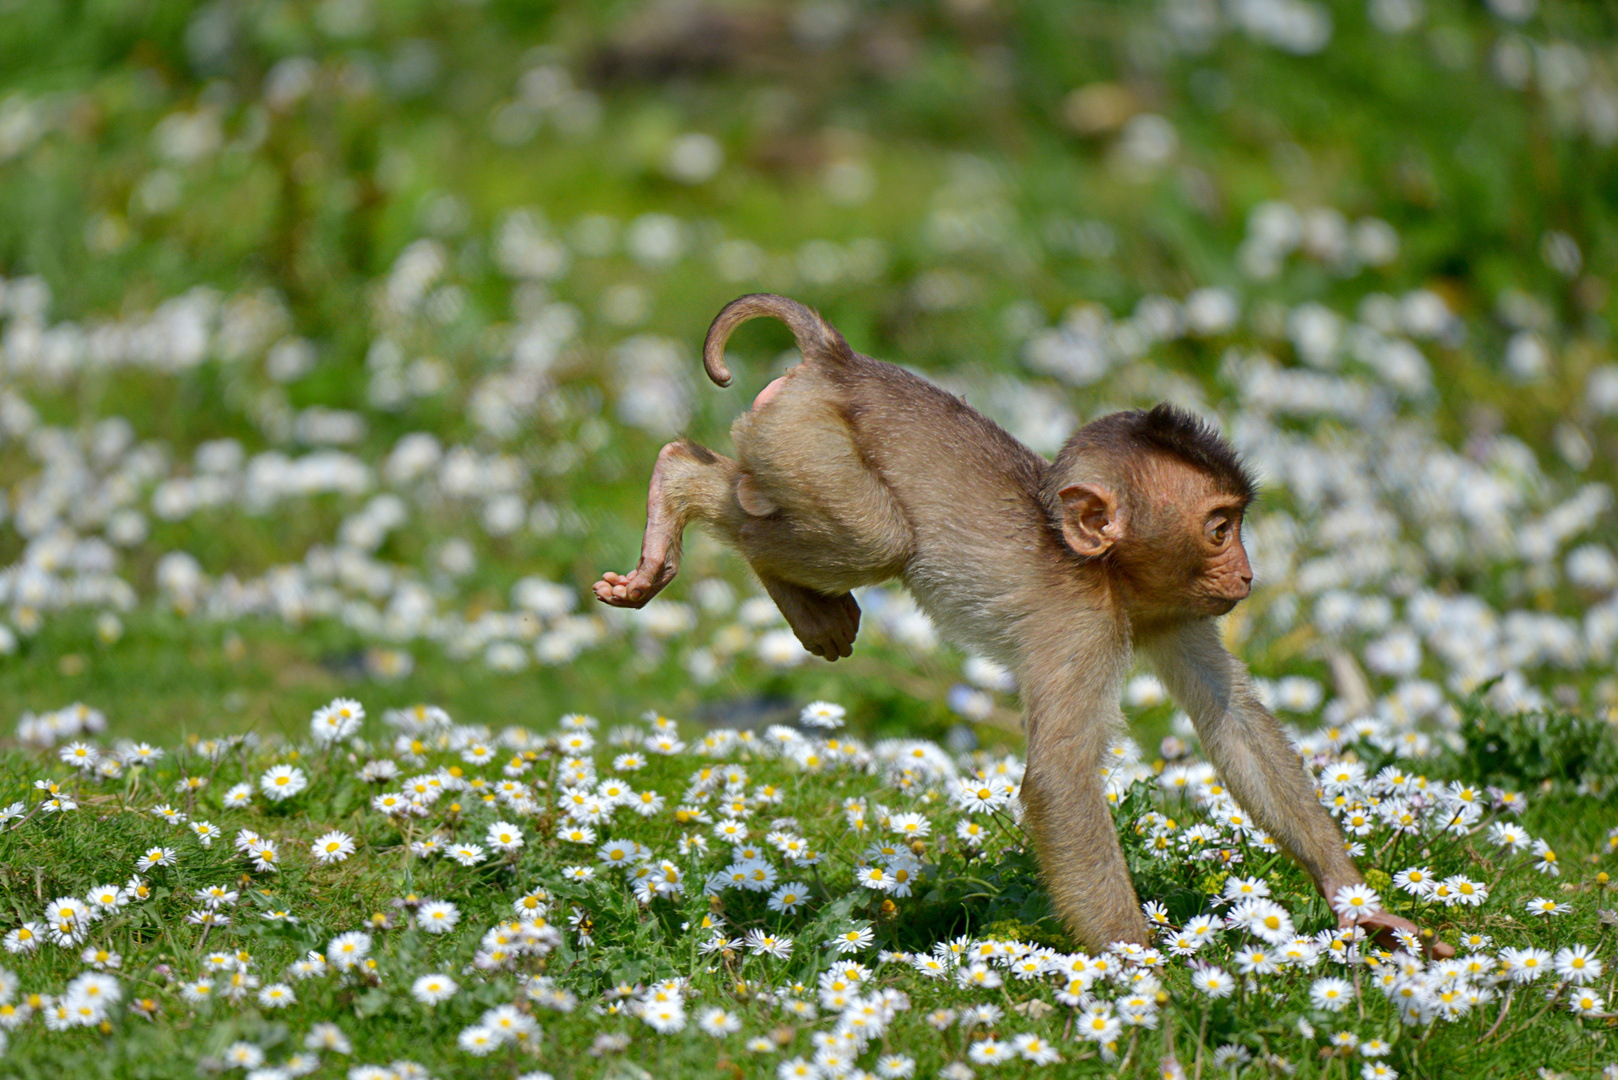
column 689, row 482
column 818, row 520
column 826, row 625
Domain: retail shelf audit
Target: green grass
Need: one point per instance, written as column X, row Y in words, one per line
column 988, row 895
column 960, row 115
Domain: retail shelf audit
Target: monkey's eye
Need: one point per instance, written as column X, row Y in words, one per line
column 1219, row 531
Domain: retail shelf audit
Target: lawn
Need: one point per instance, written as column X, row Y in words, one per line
column 338, row 338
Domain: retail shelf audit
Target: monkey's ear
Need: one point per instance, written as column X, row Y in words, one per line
column 1091, row 522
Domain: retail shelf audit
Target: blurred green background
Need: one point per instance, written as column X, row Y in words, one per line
column 507, row 224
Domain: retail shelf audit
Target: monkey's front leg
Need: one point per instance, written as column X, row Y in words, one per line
column 1258, row 763
column 1065, row 811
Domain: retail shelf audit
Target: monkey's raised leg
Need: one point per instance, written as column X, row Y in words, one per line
column 826, row 625
column 689, row 482
column 692, row 483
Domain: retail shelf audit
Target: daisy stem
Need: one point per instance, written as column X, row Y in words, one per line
column 213, row 771
column 1463, row 836
column 1265, row 869
column 1504, row 1006
column 1134, row 1037
column 1008, row 828
column 26, row 818
column 1202, row 1034
column 1504, row 870
column 1547, row 1008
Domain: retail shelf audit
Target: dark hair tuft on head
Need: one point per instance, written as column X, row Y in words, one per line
column 1185, row 435
column 1164, row 429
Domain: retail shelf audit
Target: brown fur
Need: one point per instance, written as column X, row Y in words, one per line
column 850, row 471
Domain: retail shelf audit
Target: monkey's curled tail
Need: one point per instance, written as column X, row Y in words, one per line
column 817, row 339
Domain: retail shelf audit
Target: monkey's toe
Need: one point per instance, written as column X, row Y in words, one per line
column 622, row 590
column 633, row 589
column 832, row 635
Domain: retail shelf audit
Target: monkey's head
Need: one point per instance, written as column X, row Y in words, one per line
column 1155, row 498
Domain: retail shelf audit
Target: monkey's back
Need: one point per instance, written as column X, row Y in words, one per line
column 970, row 493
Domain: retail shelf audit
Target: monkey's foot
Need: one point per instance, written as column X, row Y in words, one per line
column 659, row 546
column 826, row 625
column 633, row 589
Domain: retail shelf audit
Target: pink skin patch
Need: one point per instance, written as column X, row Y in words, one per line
column 768, row 392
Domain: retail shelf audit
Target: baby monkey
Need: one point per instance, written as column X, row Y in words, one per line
column 850, row 471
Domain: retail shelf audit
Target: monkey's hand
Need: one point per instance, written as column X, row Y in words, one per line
column 1383, row 927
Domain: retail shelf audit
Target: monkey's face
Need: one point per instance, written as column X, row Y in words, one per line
column 1182, row 555
column 1225, row 577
